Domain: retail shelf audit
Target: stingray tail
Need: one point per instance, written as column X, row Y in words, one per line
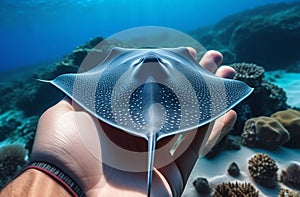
column 151, row 153
column 45, row 81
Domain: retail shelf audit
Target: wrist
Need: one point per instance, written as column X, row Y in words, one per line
column 62, row 178
column 33, row 182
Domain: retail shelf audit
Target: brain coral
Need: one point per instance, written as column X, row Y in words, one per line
column 290, row 119
column 291, row 176
column 249, row 73
column 263, row 170
column 235, row 190
column 264, row 132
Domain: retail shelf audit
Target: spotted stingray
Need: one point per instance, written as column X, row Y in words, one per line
column 152, row 93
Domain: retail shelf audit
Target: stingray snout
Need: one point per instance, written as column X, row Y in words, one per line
column 151, row 65
column 152, row 58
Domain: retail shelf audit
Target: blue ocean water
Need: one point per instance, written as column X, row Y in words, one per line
column 40, row 31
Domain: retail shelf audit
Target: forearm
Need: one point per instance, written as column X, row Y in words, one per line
column 33, row 183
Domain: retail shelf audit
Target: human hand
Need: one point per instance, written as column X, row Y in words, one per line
column 85, row 148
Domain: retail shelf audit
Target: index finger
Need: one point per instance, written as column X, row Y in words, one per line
column 211, row 60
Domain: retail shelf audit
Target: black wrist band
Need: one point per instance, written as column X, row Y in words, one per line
column 59, row 176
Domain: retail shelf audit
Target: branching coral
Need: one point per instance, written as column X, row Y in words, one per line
column 235, row 190
column 291, row 176
column 287, row 193
column 263, row 170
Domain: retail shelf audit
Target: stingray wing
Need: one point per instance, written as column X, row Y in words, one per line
column 143, row 91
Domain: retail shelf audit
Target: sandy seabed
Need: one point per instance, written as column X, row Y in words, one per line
column 215, row 169
column 290, row 82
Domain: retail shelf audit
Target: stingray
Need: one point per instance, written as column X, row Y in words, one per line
column 152, row 93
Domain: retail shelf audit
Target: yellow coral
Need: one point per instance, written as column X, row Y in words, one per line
column 264, row 132
column 290, row 119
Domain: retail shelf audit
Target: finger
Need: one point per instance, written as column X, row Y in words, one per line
column 61, row 107
column 211, row 60
column 192, row 51
column 225, row 72
column 68, row 104
column 172, row 174
column 200, row 145
column 220, row 129
column 185, row 155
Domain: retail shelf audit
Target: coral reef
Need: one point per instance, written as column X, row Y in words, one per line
column 264, row 132
column 291, row 176
column 23, row 99
column 255, row 29
column 15, row 127
column 235, row 190
column 9, row 121
column 280, row 29
column 201, row 185
column 91, row 50
column 28, row 95
column 80, row 52
column 266, row 35
column 290, row 119
column 32, row 97
column 263, row 170
column 266, row 98
column 287, row 193
column 12, row 158
column 233, row 170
